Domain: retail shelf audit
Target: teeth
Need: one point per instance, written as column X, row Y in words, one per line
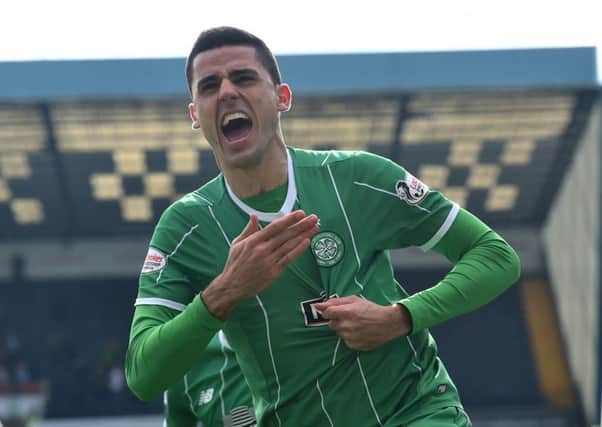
column 232, row 116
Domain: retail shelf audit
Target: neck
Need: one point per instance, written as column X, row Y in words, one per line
column 270, row 173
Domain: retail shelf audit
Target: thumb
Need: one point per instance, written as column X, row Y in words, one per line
column 251, row 227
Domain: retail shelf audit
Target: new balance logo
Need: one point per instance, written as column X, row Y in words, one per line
column 206, row 396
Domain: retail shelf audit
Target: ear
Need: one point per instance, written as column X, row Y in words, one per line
column 285, row 97
column 193, row 116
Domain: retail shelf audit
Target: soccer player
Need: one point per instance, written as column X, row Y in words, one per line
column 214, row 392
column 324, row 334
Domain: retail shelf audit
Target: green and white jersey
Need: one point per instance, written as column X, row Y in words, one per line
column 296, row 367
column 214, row 392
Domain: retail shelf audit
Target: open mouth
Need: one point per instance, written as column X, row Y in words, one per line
column 236, row 126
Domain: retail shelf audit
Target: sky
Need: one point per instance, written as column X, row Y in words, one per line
column 65, row 29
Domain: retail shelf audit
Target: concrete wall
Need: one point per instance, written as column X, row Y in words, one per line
column 572, row 247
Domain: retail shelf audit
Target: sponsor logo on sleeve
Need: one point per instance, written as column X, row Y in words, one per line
column 411, row 189
column 154, row 261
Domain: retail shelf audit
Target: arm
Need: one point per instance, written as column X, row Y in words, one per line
column 485, row 266
column 408, row 213
column 164, row 345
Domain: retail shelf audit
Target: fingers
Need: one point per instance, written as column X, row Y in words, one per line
column 282, row 240
column 251, row 227
column 304, row 228
column 332, row 302
column 278, row 226
column 291, row 251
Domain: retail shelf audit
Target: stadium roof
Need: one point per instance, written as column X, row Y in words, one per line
column 100, row 148
column 310, row 74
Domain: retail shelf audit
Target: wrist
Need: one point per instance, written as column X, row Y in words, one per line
column 219, row 299
column 403, row 319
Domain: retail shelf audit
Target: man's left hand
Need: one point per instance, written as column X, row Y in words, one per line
column 364, row 325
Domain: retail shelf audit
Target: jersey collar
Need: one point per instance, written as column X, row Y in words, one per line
column 289, row 201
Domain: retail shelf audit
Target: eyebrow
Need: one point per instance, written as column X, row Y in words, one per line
column 244, row 71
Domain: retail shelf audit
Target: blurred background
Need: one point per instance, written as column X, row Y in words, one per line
column 95, row 145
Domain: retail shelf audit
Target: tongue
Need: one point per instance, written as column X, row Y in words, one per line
column 235, row 134
column 238, row 131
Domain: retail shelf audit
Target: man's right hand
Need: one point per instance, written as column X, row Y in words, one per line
column 257, row 257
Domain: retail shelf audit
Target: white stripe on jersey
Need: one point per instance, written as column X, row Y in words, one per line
column 363, row 184
column 322, row 403
column 160, row 301
column 202, row 198
column 223, row 340
column 368, row 390
column 176, row 250
column 219, row 225
column 466, row 415
column 267, row 330
column 451, row 216
column 414, row 362
column 221, row 375
column 165, row 405
column 334, row 356
column 187, row 393
column 357, row 257
column 326, row 158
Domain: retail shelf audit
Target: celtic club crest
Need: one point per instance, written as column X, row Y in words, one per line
column 327, row 248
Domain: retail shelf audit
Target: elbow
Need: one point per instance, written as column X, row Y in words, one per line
column 137, row 383
column 514, row 266
column 137, row 388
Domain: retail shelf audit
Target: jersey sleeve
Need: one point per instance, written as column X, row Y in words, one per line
column 164, row 344
column 402, row 210
column 485, row 265
column 168, row 277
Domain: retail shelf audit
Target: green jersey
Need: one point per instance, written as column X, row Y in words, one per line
column 296, row 367
column 213, row 392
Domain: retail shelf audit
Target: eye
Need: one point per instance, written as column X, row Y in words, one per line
column 208, row 87
column 244, row 79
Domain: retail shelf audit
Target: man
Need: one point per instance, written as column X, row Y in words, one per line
column 325, row 336
column 214, row 392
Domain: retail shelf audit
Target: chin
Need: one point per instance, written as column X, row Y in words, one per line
column 245, row 160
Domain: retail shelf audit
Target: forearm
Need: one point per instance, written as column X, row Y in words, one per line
column 162, row 348
column 484, row 268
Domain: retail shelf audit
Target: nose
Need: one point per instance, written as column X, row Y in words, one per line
column 227, row 90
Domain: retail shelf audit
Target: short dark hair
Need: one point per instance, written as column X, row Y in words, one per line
column 217, row 37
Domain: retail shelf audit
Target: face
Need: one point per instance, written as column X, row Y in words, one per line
column 236, row 105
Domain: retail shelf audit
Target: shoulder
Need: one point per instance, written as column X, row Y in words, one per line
column 197, row 201
column 304, row 158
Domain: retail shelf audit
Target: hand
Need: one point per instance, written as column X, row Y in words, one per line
column 364, row 325
column 257, row 257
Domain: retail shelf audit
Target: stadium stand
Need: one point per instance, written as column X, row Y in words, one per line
column 92, row 153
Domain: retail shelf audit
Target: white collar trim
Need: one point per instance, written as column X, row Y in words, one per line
column 287, row 206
